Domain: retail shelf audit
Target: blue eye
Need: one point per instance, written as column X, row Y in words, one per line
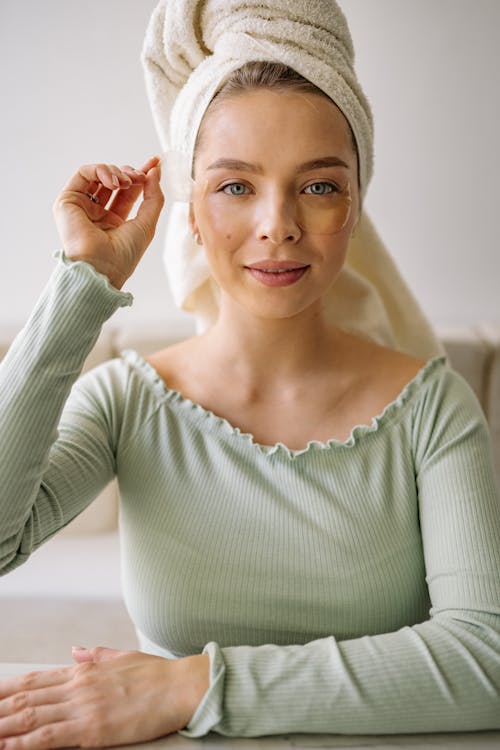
column 320, row 188
column 235, row 188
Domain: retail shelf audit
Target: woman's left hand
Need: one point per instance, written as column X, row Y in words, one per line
column 108, row 698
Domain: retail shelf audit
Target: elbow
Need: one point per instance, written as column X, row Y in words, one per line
column 13, row 552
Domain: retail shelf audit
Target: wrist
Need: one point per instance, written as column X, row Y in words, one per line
column 116, row 279
column 196, row 682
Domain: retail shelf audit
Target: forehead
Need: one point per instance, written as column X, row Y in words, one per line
column 270, row 125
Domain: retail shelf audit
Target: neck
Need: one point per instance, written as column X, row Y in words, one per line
column 260, row 352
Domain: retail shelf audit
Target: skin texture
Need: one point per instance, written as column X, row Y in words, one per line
column 109, row 697
column 271, row 130
column 272, row 364
column 100, row 232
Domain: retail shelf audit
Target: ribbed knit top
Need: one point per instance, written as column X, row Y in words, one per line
column 349, row 587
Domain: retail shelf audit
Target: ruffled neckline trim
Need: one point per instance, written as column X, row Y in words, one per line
column 358, row 432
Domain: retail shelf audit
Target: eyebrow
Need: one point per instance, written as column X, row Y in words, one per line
column 327, row 161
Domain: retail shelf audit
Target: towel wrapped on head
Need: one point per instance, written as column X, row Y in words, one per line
column 191, row 49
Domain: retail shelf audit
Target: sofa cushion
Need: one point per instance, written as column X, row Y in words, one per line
column 150, row 338
column 490, row 333
column 468, row 354
column 473, row 351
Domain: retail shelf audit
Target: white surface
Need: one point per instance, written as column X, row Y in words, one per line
column 467, row 741
column 429, row 68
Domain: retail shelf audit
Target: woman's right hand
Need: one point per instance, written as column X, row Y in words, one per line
column 101, row 234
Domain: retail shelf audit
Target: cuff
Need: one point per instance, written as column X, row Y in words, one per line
column 209, row 711
column 123, row 299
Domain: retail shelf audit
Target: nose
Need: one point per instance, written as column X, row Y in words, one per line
column 276, row 220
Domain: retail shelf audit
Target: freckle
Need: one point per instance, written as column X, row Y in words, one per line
column 228, row 236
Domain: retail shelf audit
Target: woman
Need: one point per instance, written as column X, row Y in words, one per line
column 309, row 518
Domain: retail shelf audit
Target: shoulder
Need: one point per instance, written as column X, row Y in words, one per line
column 443, row 409
column 395, row 369
column 102, row 381
column 121, row 388
column 439, row 388
column 446, row 415
column 176, row 365
column 381, row 374
column 363, row 353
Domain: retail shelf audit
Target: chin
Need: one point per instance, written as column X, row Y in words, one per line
column 272, row 303
column 278, row 310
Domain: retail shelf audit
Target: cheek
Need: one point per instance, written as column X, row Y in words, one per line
column 222, row 238
column 220, row 228
column 324, row 215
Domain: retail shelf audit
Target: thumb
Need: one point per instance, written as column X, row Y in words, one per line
column 150, row 208
column 99, row 653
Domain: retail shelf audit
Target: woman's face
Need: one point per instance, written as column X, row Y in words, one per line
column 276, row 198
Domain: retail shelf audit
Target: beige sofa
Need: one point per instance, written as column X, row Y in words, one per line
column 69, row 591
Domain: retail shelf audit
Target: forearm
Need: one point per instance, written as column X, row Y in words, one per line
column 436, row 676
column 36, row 377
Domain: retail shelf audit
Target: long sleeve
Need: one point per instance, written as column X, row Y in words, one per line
column 47, row 476
column 439, row 675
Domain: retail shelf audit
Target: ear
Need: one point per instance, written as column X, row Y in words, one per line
column 358, row 218
column 194, row 226
column 192, row 221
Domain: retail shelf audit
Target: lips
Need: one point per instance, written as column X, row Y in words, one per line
column 276, row 276
column 276, row 266
column 276, row 270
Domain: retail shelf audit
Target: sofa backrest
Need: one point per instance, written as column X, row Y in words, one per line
column 473, row 351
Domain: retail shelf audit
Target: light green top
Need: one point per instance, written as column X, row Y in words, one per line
column 349, row 587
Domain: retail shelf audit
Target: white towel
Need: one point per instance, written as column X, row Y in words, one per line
column 190, row 49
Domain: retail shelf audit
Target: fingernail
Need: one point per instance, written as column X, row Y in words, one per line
column 78, row 648
column 115, row 181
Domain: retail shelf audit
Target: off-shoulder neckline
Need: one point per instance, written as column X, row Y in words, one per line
column 358, row 432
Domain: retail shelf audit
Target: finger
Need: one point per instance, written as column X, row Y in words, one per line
column 47, row 737
column 29, row 698
column 110, row 173
column 31, row 718
column 135, row 174
column 88, row 177
column 35, row 680
column 99, row 193
column 149, row 210
column 124, row 201
column 125, row 196
column 154, row 161
column 81, row 654
column 99, row 653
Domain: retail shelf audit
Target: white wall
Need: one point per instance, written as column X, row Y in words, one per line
column 72, row 92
